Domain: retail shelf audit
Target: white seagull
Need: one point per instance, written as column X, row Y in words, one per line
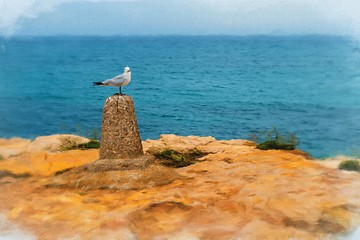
column 117, row 81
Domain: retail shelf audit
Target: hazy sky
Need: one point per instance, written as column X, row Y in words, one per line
column 164, row 17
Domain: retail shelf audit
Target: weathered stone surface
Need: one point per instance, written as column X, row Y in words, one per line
column 102, row 165
column 130, row 179
column 46, row 163
column 178, row 143
column 235, row 192
column 120, row 136
column 115, row 174
column 56, row 142
column 13, row 147
column 334, row 162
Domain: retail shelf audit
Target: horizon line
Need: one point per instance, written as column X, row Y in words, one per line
column 172, row 35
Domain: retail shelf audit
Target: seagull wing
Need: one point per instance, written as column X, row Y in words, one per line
column 115, row 81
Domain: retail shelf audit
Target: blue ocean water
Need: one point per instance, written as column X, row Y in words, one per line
column 226, row 87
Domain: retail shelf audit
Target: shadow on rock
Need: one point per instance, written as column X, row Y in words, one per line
column 116, row 174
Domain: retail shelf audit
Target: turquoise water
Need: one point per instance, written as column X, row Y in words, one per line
column 226, row 87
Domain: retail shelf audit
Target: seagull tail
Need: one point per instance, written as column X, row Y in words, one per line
column 97, row 83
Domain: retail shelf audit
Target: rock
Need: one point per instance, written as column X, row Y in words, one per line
column 334, row 162
column 12, row 147
column 235, row 192
column 5, row 173
column 45, row 155
column 56, row 142
column 155, row 218
column 116, row 174
column 46, row 163
column 102, row 165
column 335, row 219
column 258, row 229
column 122, row 164
column 178, row 143
column 120, row 137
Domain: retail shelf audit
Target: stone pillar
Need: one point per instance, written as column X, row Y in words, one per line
column 120, row 137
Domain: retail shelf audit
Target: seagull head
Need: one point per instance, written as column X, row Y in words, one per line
column 127, row 69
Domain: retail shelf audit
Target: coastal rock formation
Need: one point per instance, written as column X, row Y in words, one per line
column 45, row 163
column 13, row 147
column 56, row 142
column 178, row 143
column 235, row 191
column 45, row 155
column 115, row 174
column 122, row 164
column 120, row 137
column 53, row 143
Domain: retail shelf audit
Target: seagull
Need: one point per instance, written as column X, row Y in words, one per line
column 117, row 81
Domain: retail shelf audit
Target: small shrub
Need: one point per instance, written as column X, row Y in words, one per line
column 273, row 144
column 69, row 143
column 1, row 157
column 197, row 153
column 273, row 139
column 173, row 158
column 350, row 165
column 89, row 145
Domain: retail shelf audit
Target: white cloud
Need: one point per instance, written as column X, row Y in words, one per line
column 345, row 12
column 341, row 15
column 264, row 16
column 13, row 11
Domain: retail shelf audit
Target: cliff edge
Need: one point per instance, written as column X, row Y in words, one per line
column 233, row 191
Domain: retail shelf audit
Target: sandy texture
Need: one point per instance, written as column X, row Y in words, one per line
column 234, row 192
column 120, row 137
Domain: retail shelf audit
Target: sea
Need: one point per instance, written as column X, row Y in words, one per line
column 228, row 87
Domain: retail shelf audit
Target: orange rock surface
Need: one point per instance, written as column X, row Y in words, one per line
column 234, row 192
column 43, row 156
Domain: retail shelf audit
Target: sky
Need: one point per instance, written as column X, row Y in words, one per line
column 179, row 17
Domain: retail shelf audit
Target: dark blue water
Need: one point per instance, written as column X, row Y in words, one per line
column 226, row 87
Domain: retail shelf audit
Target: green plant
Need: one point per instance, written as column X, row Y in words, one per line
column 70, row 143
column 273, row 139
column 89, row 145
column 173, row 158
column 350, row 165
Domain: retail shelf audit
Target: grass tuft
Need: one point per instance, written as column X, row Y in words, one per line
column 350, row 165
column 92, row 144
column 273, row 139
column 273, row 144
column 69, row 143
column 173, row 158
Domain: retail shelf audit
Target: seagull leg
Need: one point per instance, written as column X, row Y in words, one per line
column 120, row 91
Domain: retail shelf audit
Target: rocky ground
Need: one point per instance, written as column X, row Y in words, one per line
column 235, row 191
